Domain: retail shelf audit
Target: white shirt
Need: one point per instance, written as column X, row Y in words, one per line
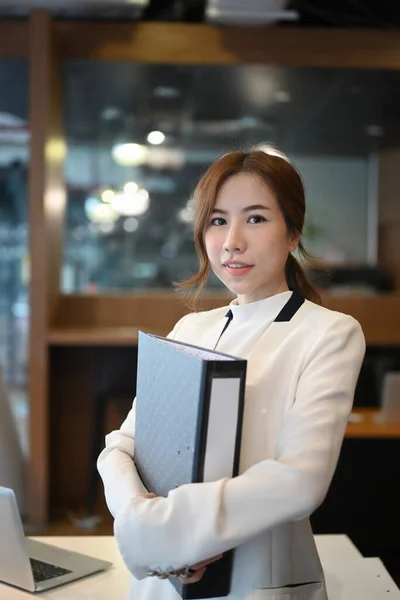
column 301, row 377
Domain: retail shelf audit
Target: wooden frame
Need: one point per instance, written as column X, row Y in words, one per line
column 184, row 43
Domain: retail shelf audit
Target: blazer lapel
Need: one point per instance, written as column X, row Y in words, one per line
column 209, row 338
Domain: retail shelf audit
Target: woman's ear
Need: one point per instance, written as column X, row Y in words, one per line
column 294, row 240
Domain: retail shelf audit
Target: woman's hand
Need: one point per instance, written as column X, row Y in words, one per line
column 198, row 570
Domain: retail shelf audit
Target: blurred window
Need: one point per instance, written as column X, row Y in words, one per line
column 14, row 260
column 139, row 137
column 14, row 269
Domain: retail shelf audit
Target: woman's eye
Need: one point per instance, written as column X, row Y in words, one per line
column 218, row 221
column 257, row 219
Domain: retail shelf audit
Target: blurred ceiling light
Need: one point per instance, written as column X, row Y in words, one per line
column 110, row 113
column 107, row 195
column 265, row 12
column 131, row 205
column 129, row 154
column 165, row 158
column 90, row 203
column 98, row 212
column 260, row 90
column 56, row 149
column 142, row 195
column 185, row 215
column 103, row 213
column 131, row 187
column 56, row 201
column 282, row 96
column 130, row 224
column 155, row 137
column 106, row 227
column 166, row 91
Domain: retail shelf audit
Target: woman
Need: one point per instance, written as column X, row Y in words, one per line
column 303, row 365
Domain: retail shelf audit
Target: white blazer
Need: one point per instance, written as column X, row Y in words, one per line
column 301, row 377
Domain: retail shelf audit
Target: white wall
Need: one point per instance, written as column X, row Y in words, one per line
column 337, row 201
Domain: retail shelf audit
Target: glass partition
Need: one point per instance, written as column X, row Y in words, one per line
column 14, row 258
column 139, row 136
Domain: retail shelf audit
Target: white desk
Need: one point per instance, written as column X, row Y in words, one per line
column 349, row 576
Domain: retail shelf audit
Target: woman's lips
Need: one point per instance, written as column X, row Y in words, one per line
column 238, row 271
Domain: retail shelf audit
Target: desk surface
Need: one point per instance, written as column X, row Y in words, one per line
column 349, row 576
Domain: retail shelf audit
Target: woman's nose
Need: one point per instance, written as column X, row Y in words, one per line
column 234, row 241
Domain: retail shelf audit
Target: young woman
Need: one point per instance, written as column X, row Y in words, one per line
column 303, row 365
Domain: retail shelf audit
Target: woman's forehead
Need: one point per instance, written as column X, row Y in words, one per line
column 244, row 187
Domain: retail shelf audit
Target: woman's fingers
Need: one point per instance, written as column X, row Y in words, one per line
column 199, row 569
column 197, row 575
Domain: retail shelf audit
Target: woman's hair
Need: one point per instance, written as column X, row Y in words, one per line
column 272, row 167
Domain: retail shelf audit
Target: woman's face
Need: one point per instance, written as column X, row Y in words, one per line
column 247, row 240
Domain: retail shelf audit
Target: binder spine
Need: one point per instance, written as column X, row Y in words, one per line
column 202, row 420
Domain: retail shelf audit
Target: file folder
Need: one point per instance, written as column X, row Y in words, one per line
column 189, row 414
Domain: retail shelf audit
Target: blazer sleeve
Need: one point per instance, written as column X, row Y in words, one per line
column 198, row 521
column 115, row 463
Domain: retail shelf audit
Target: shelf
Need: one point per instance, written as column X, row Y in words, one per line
column 368, row 423
column 98, row 336
column 116, row 318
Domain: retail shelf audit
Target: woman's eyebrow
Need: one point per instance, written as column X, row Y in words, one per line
column 220, row 211
column 255, row 207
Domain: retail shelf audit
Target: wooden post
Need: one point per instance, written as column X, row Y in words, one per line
column 46, row 214
column 389, row 211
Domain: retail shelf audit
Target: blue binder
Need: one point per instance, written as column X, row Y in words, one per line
column 189, row 414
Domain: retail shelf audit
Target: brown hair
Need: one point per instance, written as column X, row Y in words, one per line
column 282, row 177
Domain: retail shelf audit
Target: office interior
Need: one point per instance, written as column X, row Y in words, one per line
column 108, row 116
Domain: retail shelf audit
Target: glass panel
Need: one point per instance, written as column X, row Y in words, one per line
column 14, row 260
column 139, row 137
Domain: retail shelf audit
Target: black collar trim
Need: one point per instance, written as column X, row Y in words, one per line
column 291, row 307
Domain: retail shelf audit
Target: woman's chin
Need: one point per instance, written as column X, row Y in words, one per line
column 236, row 285
column 238, row 288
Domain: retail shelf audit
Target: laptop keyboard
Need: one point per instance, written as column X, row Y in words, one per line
column 43, row 571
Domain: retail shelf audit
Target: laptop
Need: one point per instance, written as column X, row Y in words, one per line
column 36, row 566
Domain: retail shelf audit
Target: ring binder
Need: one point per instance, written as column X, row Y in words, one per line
column 189, row 414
